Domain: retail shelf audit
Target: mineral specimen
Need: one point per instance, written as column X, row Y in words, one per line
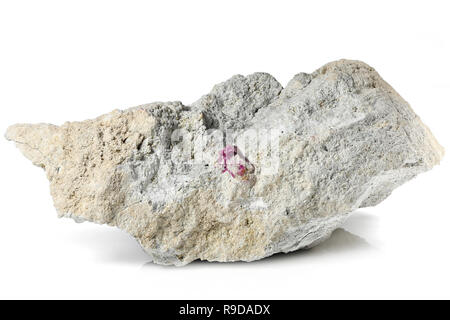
column 249, row 170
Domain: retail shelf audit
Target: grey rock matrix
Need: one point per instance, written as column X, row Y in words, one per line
column 247, row 171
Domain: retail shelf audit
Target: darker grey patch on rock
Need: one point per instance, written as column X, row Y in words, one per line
column 233, row 103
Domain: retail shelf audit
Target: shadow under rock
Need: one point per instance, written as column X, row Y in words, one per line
column 341, row 241
column 110, row 245
column 363, row 223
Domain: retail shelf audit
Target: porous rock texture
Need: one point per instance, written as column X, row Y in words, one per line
column 344, row 140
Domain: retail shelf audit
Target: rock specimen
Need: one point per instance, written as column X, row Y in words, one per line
column 249, row 170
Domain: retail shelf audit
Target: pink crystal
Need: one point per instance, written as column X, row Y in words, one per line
column 226, row 155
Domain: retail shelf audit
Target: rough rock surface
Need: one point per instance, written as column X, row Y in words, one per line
column 340, row 139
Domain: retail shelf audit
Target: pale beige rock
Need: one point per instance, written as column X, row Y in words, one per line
column 81, row 158
column 346, row 140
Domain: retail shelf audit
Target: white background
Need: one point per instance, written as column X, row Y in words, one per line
column 74, row 60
